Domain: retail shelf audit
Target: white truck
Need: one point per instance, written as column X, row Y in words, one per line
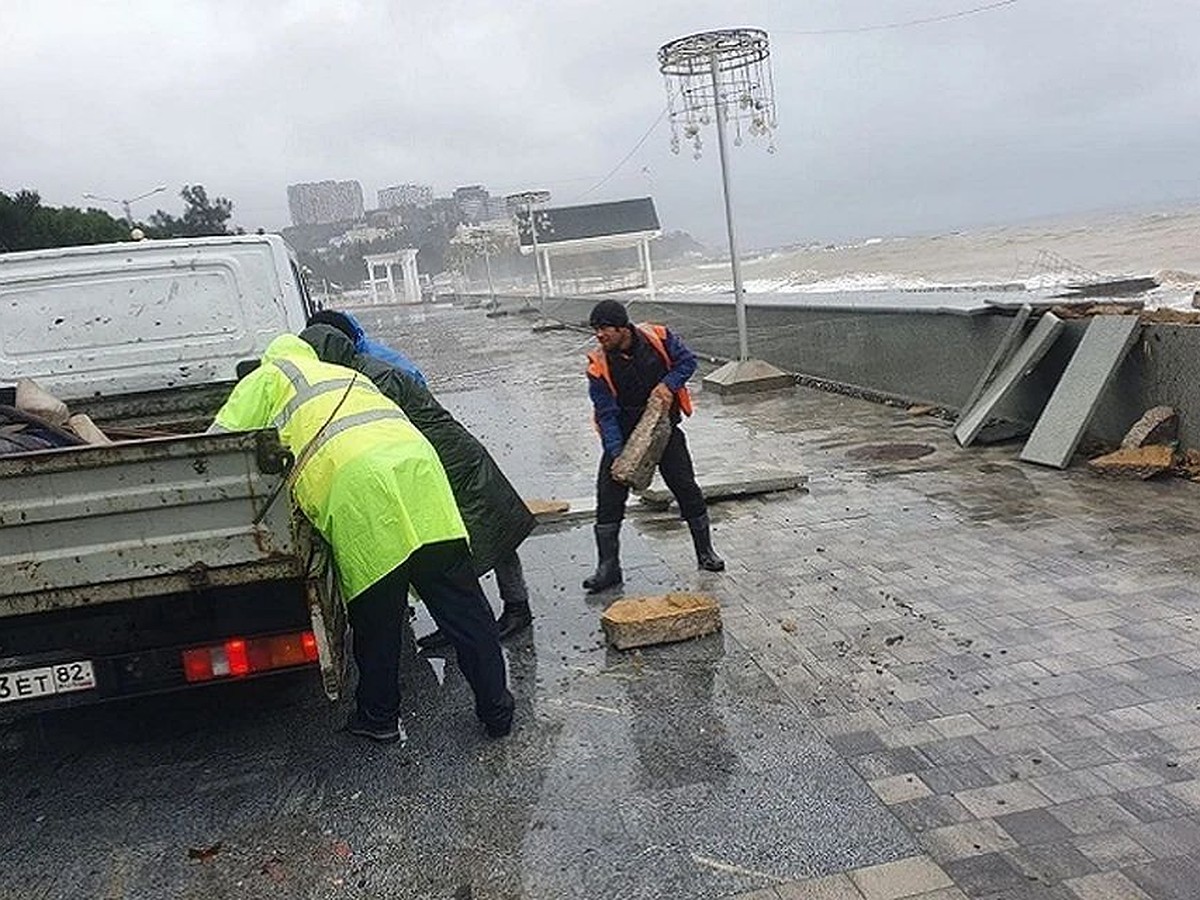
column 170, row 557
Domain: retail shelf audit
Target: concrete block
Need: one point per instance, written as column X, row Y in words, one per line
column 745, row 376
column 1020, row 364
column 1077, row 394
column 642, row 621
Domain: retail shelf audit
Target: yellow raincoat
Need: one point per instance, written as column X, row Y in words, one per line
column 366, row 477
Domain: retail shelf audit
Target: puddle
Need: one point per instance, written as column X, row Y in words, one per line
column 891, row 452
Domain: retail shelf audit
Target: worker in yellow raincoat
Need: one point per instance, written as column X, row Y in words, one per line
column 372, row 485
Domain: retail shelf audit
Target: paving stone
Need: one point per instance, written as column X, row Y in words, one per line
column 1152, row 804
column 950, row 779
column 1093, row 814
column 987, row 873
column 1112, row 849
column 904, row 878
column 898, row 788
column 1050, row 864
column 832, row 887
column 925, row 813
column 1105, row 886
column 990, row 802
column 883, row 763
column 1166, row 879
column 974, row 838
column 1169, row 837
column 1035, row 826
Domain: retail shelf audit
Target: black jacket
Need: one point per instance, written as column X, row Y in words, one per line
column 496, row 517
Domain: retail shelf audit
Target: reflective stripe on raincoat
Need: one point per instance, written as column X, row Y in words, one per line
column 365, row 476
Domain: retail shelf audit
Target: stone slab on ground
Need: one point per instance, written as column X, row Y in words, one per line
column 643, row 621
column 1137, row 462
column 1073, row 403
column 728, row 489
column 1020, row 364
column 657, row 498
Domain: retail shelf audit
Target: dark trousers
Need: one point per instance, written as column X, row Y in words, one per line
column 444, row 576
column 677, row 472
column 510, row 580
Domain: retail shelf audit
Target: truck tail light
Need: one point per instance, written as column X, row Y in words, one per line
column 237, row 657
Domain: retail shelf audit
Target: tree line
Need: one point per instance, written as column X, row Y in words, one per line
column 27, row 224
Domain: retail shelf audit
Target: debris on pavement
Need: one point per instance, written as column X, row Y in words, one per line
column 204, row 854
column 642, row 621
column 1135, row 462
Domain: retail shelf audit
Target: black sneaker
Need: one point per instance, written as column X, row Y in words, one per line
column 382, row 732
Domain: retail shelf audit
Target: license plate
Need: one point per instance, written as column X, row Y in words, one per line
column 61, row 678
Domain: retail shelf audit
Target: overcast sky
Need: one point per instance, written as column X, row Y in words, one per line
column 1040, row 107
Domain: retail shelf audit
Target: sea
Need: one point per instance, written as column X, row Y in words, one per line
column 1042, row 257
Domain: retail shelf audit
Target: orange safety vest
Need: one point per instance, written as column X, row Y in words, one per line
column 655, row 336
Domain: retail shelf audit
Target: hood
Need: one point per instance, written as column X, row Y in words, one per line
column 288, row 346
column 359, row 334
column 330, row 344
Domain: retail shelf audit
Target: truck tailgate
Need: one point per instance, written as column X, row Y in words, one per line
column 99, row 524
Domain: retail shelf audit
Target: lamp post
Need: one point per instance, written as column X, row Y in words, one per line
column 527, row 199
column 727, row 75
column 125, row 204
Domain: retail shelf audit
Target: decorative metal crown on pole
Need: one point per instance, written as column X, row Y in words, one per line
column 729, row 67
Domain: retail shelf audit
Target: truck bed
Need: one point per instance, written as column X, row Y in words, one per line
column 154, row 520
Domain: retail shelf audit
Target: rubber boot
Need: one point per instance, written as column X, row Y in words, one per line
column 706, row 557
column 514, row 618
column 608, row 547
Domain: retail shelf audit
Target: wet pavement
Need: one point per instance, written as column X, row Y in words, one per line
column 943, row 674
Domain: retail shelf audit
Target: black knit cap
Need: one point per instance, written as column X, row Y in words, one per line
column 608, row 312
column 334, row 318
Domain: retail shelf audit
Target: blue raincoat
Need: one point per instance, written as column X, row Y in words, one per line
column 365, row 345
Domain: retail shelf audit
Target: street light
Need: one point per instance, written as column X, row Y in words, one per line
column 528, row 199
column 724, row 75
column 125, row 204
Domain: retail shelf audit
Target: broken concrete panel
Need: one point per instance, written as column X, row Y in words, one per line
column 1018, row 366
column 1138, row 462
column 1158, row 425
column 642, row 621
column 999, row 357
column 1077, row 394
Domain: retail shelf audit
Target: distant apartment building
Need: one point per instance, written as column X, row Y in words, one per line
column 472, row 202
column 419, row 195
column 497, row 210
column 324, row 202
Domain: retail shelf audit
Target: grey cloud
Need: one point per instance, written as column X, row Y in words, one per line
column 1045, row 106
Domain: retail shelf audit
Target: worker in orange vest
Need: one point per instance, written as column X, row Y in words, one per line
column 631, row 364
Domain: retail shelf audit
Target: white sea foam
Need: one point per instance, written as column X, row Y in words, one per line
column 1043, row 257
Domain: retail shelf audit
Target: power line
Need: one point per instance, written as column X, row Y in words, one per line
column 905, row 24
column 649, row 131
